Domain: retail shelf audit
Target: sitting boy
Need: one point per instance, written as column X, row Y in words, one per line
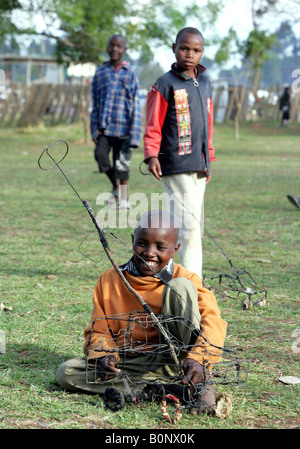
column 123, row 344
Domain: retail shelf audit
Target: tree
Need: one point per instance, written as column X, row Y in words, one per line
column 81, row 28
column 287, row 10
column 254, row 51
column 229, row 47
column 284, row 58
column 289, row 13
column 257, row 49
column 287, row 44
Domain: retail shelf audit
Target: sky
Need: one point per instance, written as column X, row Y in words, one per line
column 236, row 14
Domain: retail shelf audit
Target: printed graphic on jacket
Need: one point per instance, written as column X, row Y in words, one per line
column 183, row 122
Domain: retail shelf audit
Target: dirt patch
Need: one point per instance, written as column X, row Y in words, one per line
column 88, row 422
column 263, row 422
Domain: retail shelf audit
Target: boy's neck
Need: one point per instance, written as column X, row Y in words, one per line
column 192, row 73
column 116, row 64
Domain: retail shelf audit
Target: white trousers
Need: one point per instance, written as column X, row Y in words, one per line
column 184, row 195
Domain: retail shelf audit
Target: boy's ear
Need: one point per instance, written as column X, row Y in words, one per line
column 132, row 238
column 177, row 246
column 173, row 48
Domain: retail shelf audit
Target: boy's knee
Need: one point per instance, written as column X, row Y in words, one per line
column 68, row 371
column 187, row 307
column 183, row 284
column 63, row 372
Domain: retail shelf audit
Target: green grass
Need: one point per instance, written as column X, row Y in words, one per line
column 42, row 225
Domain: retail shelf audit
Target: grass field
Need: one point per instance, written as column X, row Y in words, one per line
column 47, row 284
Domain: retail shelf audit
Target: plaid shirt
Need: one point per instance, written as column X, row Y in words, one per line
column 115, row 103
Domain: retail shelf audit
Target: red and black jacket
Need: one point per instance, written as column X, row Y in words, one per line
column 179, row 122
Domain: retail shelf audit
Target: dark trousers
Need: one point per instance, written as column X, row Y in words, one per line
column 121, row 156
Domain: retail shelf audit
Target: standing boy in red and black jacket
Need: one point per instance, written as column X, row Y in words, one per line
column 178, row 141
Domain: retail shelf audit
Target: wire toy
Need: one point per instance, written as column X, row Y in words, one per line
column 104, row 240
column 233, row 279
column 150, row 382
column 229, row 371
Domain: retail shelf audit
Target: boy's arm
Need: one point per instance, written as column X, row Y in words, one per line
column 212, row 157
column 99, row 341
column 94, row 117
column 136, row 122
column 156, row 110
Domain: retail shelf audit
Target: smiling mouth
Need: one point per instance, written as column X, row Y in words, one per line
column 149, row 263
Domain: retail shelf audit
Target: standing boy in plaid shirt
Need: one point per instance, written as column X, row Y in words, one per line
column 116, row 117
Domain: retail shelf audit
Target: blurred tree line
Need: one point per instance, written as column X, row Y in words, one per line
column 79, row 31
column 82, row 28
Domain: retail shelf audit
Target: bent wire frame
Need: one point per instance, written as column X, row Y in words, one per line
column 146, row 362
column 248, row 288
column 132, row 341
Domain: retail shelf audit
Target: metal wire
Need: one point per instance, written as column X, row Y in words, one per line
column 151, row 358
column 236, row 283
column 171, row 348
column 105, row 245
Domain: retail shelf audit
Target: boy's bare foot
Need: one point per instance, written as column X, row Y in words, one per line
column 205, row 401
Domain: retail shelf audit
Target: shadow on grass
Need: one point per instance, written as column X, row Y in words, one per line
column 31, row 365
column 24, row 271
column 87, row 274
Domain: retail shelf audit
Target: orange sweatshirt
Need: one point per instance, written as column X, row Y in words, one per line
column 112, row 298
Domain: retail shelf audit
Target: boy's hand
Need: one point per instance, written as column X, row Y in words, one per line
column 96, row 138
column 193, row 372
column 154, row 167
column 106, row 367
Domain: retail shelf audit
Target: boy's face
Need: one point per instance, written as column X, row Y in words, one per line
column 155, row 246
column 188, row 51
column 116, row 48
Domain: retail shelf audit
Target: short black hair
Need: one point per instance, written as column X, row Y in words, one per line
column 189, row 30
column 118, row 36
column 157, row 219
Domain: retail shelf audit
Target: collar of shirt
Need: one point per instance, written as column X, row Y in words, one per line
column 199, row 69
column 123, row 64
column 165, row 274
